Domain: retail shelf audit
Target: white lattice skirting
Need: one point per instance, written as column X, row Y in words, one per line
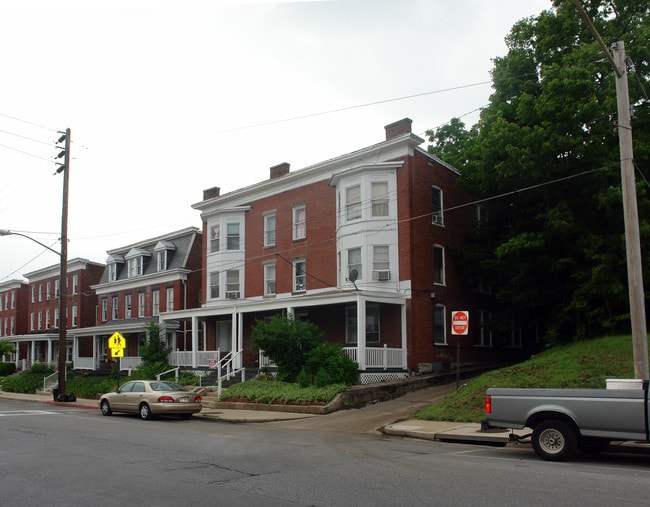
column 385, row 376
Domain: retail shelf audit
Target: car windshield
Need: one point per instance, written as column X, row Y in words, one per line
column 167, row 386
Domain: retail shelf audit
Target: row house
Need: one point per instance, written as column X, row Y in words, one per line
column 138, row 283
column 13, row 310
column 359, row 245
column 33, row 309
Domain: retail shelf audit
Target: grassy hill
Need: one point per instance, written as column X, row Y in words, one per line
column 580, row 365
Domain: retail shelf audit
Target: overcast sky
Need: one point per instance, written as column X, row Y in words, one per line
column 166, row 98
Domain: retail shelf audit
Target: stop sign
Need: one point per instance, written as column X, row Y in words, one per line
column 460, row 322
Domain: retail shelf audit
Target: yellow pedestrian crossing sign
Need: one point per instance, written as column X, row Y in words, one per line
column 117, row 352
column 116, row 341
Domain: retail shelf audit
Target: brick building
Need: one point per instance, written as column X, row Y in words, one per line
column 36, row 311
column 139, row 282
column 358, row 245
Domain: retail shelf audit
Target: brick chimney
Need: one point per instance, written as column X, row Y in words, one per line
column 399, row 128
column 277, row 171
column 211, row 193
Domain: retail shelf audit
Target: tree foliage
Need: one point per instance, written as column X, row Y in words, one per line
column 544, row 159
column 153, row 350
column 287, row 342
column 6, row 348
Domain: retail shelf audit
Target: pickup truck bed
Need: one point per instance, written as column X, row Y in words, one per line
column 565, row 420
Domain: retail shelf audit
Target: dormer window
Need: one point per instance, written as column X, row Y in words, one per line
column 114, row 263
column 136, row 259
column 164, row 250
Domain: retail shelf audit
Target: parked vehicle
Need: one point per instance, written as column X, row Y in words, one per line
column 566, row 420
column 149, row 398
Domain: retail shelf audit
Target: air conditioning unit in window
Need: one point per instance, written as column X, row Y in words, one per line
column 232, row 295
column 436, row 218
column 382, row 274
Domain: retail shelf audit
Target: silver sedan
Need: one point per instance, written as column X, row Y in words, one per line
column 151, row 397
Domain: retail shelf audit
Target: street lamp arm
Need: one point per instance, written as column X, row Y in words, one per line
column 7, row 232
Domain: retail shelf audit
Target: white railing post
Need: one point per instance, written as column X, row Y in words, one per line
column 385, row 358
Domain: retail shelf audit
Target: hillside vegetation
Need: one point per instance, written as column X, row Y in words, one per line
column 585, row 364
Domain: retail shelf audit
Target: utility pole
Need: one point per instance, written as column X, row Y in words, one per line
column 63, row 279
column 630, row 210
column 631, row 215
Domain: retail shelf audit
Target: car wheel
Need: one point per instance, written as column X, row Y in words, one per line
column 145, row 412
column 105, row 408
column 186, row 416
column 554, row 440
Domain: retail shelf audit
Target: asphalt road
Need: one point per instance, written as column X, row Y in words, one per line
column 57, row 455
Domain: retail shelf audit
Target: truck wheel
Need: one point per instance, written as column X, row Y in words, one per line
column 554, row 440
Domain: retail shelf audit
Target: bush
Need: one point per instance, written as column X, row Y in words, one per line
column 7, row 369
column 322, row 378
column 42, row 369
column 335, row 363
column 287, row 342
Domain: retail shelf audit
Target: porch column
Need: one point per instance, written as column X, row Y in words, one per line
column 49, row 351
column 32, row 355
column 195, row 339
column 95, row 358
column 404, row 345
column 240, row 340
column 17, row 346
column 361, row 332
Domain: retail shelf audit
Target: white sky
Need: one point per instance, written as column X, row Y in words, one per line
column 166, row 98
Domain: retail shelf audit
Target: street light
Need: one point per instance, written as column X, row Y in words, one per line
column 7, row 232
column 63, row 303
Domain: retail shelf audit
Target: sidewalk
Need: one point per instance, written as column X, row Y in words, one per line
column 413, row 428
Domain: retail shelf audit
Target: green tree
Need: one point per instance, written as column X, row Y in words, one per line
column 6, row 348
column 544, row 158
column 287, row 342
column 153, row 352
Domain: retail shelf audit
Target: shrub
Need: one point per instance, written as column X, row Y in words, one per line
column 42, row 368
column 304, row 379
column 287, row 342
column 322, row 378
column 7, row 369
column 332, row 359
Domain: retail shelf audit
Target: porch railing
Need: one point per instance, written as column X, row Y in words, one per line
column 84, row 363
column 184, row 358
column 378, row 357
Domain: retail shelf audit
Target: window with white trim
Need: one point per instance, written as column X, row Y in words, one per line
column 48, row 291
column 47, row 319
column 439, row 325
column 127, row 306
column 299, row 222
column 353, row 203
column 170, row 299
column 232, row 284
column 215, row 236
column 75, row 284
column 232, row 236
column 104, row 309
column 380, row 258
column 355, row 263
column 214, row 285
column 372, row 324
column 299, row 275
column 40, row 292
column 269, row 279
column 116, row 308
column 141, row 304
column 379, row 199
column 438, row 265
column 436, row 206
column 269, row 229
column 155, row 297
column 75, row 316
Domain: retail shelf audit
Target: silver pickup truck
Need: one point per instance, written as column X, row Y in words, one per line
column 566, row 420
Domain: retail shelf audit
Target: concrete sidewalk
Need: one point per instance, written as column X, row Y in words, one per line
column 413, row 428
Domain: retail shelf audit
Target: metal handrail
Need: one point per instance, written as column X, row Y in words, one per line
column 47, row 381
column 175, row 370
column 228, row 361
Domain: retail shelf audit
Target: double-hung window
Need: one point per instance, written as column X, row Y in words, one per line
column 214, row 285
column 299, row 275
column 379, row 199
column 215, row 235
column 115, row 307
column 170, row 299
column 269, row 279
column 439, row 327
column 232, row 284
column 353, row 203
column 438, row 265
column 299, row 222
column 127, row 306
column 232, row 236
column 436, row 206
column 269, row 229
column 354, row 264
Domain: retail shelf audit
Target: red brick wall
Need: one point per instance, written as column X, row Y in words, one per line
column 319, row 247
